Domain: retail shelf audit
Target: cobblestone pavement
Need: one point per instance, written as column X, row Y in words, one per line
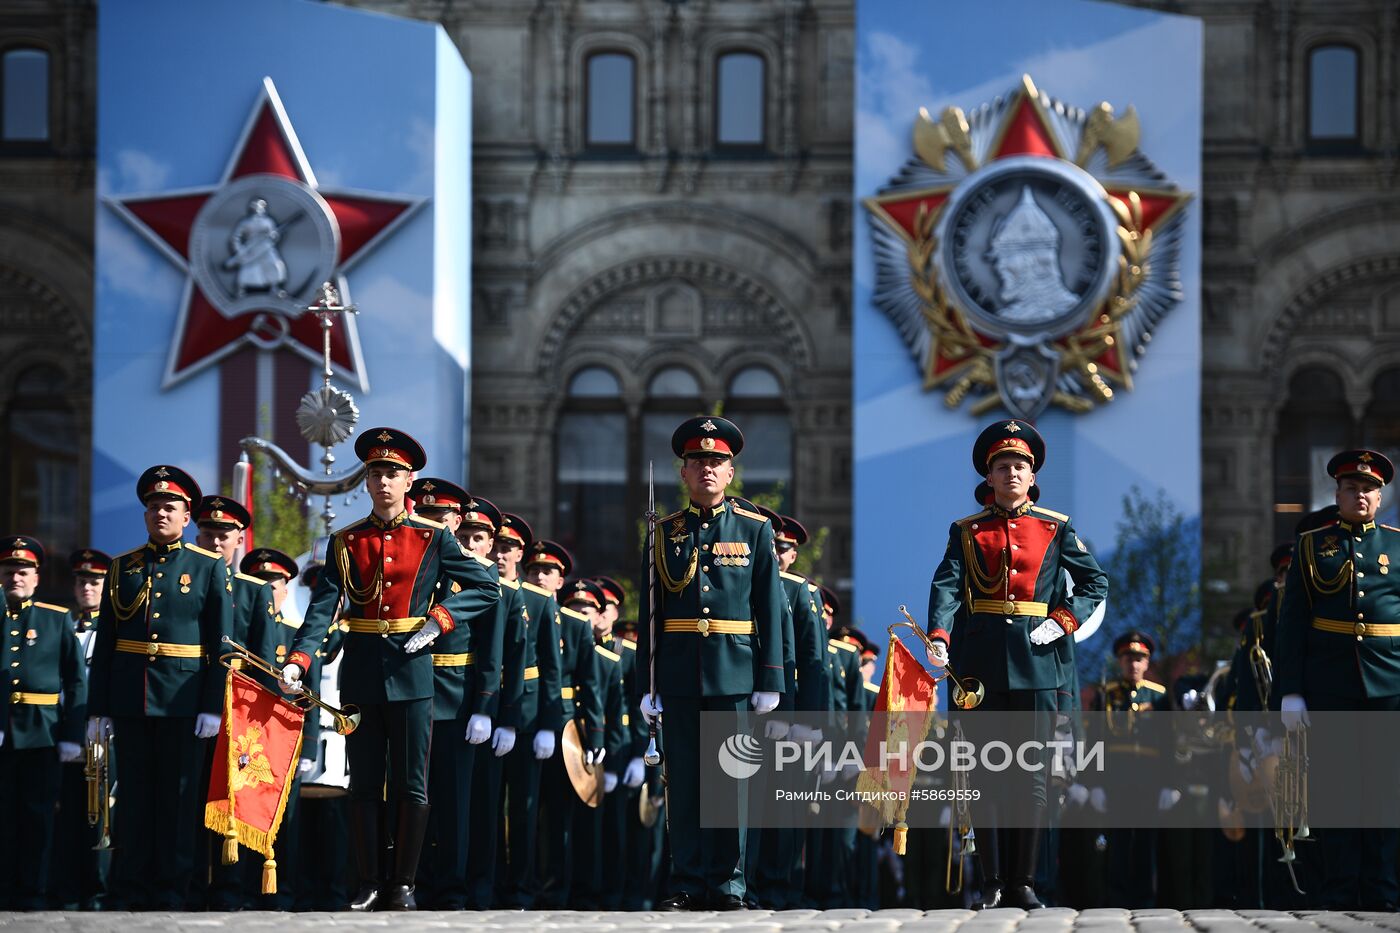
column 1050, row 920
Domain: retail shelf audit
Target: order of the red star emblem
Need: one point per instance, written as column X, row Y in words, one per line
column 1027, row 252
column 256, row 247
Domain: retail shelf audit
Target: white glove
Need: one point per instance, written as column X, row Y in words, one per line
column 291, row 679
column 306, row 766
column 764, row 702
column 503, row 740
column 2, row 737
column 938, row 654
column 478, row 728
column 593, row 757
column 635, row 774
column 805, row 734
column 1046, row 632
column 67, row 751
column 206, row 726
column 1098, row 800
column 1077, row 794
column 1168, row 798
column 1295, row 712
column 609, row 782
column 651, row 707
column 424, row 637
column 544, row 744
column 98, row 728
column 775, row 729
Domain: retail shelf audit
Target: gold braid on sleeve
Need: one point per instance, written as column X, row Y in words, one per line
column 989, row 584
column 671, row 584
column 124, row 611
column 1324, row 587
column 369, row 593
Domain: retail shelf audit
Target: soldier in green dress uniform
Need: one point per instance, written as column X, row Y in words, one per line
column 718, row 647
column 1000, row 592
column 1337, row 650
column 156, row 683
column 539, row 719
column 41, row 725
column 79, row 874
column 392, row 572
column 467, row 680
column 581, row 700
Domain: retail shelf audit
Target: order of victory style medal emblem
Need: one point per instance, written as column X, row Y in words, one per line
column 1026, row 252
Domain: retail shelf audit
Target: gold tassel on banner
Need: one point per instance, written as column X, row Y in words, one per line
column 901, row 836
column 231, row 846
column 269, row 879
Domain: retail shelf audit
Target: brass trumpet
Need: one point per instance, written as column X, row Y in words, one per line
column 965, row 692
column 1288, row 798
column 346, row 720
column 99, row 791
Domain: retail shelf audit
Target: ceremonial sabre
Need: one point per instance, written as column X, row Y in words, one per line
column 653, row 752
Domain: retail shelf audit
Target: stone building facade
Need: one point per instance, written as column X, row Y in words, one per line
column 630, row 269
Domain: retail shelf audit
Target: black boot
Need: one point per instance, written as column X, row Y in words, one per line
column 1021, row 892
column 408, row 844
column 364, row 839
column 989, row 860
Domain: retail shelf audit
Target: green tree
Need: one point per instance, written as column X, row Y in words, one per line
column 280, row 518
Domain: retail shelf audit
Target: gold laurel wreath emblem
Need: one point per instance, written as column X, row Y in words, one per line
column 955, row 341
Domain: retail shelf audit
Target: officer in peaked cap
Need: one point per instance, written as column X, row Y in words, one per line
column 156, row 683
column 79, row 871
column 43, row 708
column 1000, row 592
column 540, row 716
column 388, row 575
column 1337, row 650
column 718, row 642
column 580, row 700
column 438, row 500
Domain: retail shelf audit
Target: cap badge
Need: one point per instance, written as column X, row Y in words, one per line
column 707, row 443
column 162, row 486
column 384, row 437
column 1363, row 468
column 1365, row 457
column 473, row 506
column 216, row 503
column 19, row 542
column 428, row 486
column 709, row 426
column 162, row 472
column 1012, row 426
column 429, row 499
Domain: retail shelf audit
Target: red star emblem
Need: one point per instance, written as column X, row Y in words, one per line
column 1024, row 130
column 208, row 329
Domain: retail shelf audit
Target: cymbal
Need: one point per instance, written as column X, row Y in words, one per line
column 587, row 781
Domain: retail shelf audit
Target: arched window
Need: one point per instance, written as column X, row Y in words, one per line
column 674, row 382
column 739, row 99
column 673, row 394
column 1334, row 95
column 591, row 513
column 41, row 465
column 610, row 119
column 1313, row 425
column 755, row 402
column 24, row 96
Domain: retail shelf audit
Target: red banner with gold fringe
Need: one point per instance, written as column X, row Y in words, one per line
column 255, row 761
column 903, row 714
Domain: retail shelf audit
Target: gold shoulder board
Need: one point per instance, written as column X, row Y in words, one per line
column 199, row 550
column 972, row 518
column 243, row 576
column 51, row 606
column 1058, row 516
column 1153, row 685
column 565, row 610
column 513, row 584
column 429, row 521
column 484, row 561
column 747, row 514
column 676, row 514
column 844, row 646
column 794, row 577
column 629, row 645
column 532, row 588
column 873, row 688
column 611, row 656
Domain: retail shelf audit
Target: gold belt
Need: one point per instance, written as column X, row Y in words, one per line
column 34, row 699
column 1010, row 607
column 465, row 659
column 1358, row 629
column 383, row 626
column 708, row 627
column 532, row 673
column 155, row 649
column 566, row 693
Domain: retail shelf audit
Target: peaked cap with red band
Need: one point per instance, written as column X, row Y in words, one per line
column 830, row 602
column 612, row 590
column 1365, row 463
column 1282, row 556
column 21, row 549
column 549, row 552
column 1135, row 642
column 432, row 493
column 268, row 562
column 582, row 591
column 1327, row 515
column 707, row 436
column 483, row 512
column 1008, row 437
column 220, row 510
column 790, row 529
column 390, row 445
column 89, row 561
column 169, row 481
column 515, row 528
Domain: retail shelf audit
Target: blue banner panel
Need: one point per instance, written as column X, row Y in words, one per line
column 248, row 152
column 1028, row 176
